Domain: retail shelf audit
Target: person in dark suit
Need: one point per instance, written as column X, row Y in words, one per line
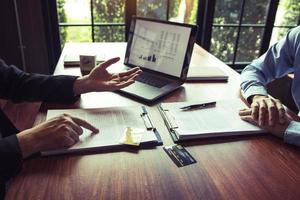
column 59, row 132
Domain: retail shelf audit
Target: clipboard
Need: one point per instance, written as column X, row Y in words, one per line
column 220, row 121
column 170, row 122
column 111, row 122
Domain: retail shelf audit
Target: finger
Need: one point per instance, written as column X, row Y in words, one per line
column 134, row 75
column 255, row 110
column 85, row 124
column 272, row 112
column 249, row 119
column 124, row 84
column 74, row 126
column 246, row 111
column 281, row 111
column 262, row 113
column 109, row 62
column 68, row 141
column 74, row 136
column 131, row 71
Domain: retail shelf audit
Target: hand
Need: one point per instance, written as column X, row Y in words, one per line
column 277, row 129
column 60, row 132
column 100, row 79
column 267, row 111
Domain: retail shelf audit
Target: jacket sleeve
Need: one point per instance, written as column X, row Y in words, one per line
column 10, row 156
column 18, row 86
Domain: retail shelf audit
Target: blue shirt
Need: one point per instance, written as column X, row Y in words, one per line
column 282, row 58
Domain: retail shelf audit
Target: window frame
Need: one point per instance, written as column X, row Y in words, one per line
column 204, row 20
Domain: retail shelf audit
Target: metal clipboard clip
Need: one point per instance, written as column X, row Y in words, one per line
column 149, row 126
column 168, row 117
column 169, row 121
column 147, row 122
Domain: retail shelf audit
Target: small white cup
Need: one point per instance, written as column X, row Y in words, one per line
column 87, row 63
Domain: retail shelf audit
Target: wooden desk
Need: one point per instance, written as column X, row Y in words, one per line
column 257, row 167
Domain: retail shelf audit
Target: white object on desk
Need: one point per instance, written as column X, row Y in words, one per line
column 87, row 63
column 132, row 136
column 199, row 73
column 73, row 60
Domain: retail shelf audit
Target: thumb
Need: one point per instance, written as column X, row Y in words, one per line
column 245, row 112
column 248, row 118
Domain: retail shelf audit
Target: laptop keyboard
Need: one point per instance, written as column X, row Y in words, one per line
column 152, row 80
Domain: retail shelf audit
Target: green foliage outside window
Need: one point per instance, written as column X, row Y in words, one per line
column 113, row 11
column 291, row 17
column 109, row 11
column 223, row 38
column 62, row 18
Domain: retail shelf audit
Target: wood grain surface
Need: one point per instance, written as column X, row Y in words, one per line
column 248, row 167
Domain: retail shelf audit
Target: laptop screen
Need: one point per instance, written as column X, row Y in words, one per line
column 159, row 46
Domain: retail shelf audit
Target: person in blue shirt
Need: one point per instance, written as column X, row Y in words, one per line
column 281, row 59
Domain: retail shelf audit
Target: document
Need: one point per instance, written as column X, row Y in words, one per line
column 221, row 120
column 111, row 122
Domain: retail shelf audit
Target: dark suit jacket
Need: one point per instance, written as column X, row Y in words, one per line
column 18, row 86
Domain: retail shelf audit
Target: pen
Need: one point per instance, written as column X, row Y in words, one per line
column 199, row 106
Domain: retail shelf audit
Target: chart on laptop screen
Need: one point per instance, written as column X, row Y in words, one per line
column 159, row 46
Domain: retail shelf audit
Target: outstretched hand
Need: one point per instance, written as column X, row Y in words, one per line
column 99, row 79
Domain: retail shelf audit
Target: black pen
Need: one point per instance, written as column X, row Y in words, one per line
column 199, row 106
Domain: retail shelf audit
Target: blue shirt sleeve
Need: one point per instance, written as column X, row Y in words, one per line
column 275, row 63
column 292, row 133
column 278, row 61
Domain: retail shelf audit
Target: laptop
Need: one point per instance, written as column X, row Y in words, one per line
column 163, row 50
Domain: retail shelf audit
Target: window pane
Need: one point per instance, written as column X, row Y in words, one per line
column 255, row 11
column 227, row 11
column 278, row 34
column 156, row 9
column 287, row 13
column 249, row 44
column 109, row 11
column 184, row 11
column 74, row 11
column 76, row 34
column 222, row 43
column 110, row 34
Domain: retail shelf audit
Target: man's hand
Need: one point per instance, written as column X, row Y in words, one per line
column 100, row 79
column 267, row 111
column 276, row 129
column 59, row 132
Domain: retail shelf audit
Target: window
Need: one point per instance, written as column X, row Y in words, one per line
column 242, row 29
column 235, row 31
column 91, row 20
column 104, row 20
column 287, row 17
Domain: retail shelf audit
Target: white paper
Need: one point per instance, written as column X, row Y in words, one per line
column 111, row 123
column 223, row 119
